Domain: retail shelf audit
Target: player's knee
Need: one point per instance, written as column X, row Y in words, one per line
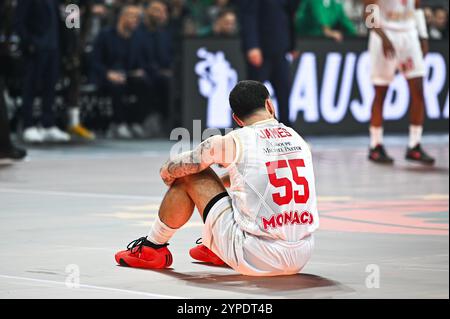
column 181, row 182
column 189, row 179
column 196, row 179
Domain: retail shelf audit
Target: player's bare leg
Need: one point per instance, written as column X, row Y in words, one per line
column 377, row 153
column 191, row 191
column 417, row 115
column 177, row 207
column 186, row 194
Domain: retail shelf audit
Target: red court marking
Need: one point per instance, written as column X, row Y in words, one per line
column 386, row 217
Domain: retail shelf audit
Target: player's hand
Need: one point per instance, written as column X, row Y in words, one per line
column 165, row 176
column 388, row 48
column 425, row 46
column 255, row 57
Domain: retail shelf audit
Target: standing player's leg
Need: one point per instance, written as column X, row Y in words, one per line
column 377, row 152
column 176, row 209
column 416, row 116
column 382, row 74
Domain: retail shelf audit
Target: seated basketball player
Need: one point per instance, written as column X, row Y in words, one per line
column 263, row 225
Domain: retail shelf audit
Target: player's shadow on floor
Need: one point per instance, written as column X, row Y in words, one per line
column 5, row 165
column 281, row 286
column 425, row 169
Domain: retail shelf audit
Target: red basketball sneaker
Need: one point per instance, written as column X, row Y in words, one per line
column 204, row 254
column 142, row 253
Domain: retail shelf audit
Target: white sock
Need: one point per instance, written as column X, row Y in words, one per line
column 376, row 136
column 415, row 135
column 74, row 116
column 160, row 233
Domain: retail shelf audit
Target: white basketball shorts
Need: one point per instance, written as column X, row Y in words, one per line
column 408, row 58
column 248, row 254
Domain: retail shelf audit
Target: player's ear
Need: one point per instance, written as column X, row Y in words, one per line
column 238, row 121
column 270, row 107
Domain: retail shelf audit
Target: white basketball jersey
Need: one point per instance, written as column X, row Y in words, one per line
column 272, row 182
column 397, row 15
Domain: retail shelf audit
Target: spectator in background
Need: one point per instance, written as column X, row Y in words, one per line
column 159, row 37
column 354, row 11
column 216, row 8
column 99, row 19
column 439, row 26
column 268, row 35
column 73, row 44
column 429, row 16
column 199, row 12
column 122, row 69
column 38, row 25
column 8, row 152
column 225, row 24
column 324, row 18
column 181, row 22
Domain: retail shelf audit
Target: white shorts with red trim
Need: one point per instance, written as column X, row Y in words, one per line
column 408, row 58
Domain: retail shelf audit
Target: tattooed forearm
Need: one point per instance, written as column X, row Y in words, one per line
column 189, row 163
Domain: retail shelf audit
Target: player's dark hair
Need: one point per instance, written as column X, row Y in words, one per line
column 247, row 97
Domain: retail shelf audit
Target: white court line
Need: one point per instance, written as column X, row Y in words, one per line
column 93, row 287
column 78, row 194
column 424, row 269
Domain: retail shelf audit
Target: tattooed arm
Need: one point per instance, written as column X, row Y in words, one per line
column 215, row 150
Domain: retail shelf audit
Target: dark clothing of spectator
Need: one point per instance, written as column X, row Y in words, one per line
column 269, row 26
column 177, row 22
column 38, row 25
column 73, row 43
column 160, row 42
column 5, row 141
column 7, row 149
column 114, row 52
column 42, row 69
column 178, row 26
column 162, row 45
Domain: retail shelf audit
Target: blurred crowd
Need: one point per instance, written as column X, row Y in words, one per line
column 130, row 52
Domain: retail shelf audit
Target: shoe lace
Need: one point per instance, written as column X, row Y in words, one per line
column 136, row 245
column 198, row 241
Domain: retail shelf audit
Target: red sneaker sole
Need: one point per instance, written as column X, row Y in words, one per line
column 133, row 262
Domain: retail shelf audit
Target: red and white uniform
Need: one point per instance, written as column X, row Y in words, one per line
column 265, row 226
column 398, row 22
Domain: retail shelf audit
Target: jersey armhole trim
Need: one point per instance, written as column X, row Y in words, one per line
column 239, row 150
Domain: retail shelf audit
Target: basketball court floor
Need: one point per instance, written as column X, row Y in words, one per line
column 66, row 210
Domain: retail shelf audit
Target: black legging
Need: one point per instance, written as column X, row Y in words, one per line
column 5, row 141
